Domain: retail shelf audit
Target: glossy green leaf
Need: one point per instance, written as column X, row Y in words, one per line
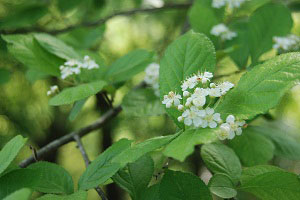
column 56, row 46
column 52, row 178
column 129, row 65
column 182, row 186
column 72, row 94
column 275, row 185
column 142, row 103
column 9, row 152
column 185, row 143
column 102, row 168
column 29, row 52
column 187, row 55
column 252, row 148
column 76, row 109
column 266, row 22
column 221, row 159
column 79, row 195
column 137, row 177
column 285, row 145
column 22, row 194
column 262, row 88
column 222, row 186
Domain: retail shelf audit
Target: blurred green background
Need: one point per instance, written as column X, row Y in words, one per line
column 24, row 104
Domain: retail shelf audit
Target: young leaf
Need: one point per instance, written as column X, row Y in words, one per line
column 56, row 46
column 141, row 103
column 252, row 148
column 137, row 178
column 129, row 65
column 76, row 109
column 285, row 145
column 221, row 159
column 266, row 22
column 10, row 151
column 185, row 143
column 22, row 194
column 182, row 186
column 189, row 54
column 79, row 195
column 102, row 168
column 262, row 88
column 52, row 178
column 29, row 52
column 276, row 185
column 72, row 94
column 222, row 186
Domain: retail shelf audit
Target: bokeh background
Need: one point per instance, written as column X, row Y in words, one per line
column 24, row 105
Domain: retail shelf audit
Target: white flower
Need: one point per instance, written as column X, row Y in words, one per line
column 218, row 3
column 199, row 97
column 232, row 127
column 204, row 77
column 215, row 92
column 67, row 71
column 289, row 42
column 223, row 31
column 235, row 3
column 189, row 83
column 180, row 118
column 171, row 98
column 53, row 90
column 88, row 63
column 153, row 3
column 210, row 119
column 180, row 107
column 186, row 93
column 152, row 75
column 225, row 87
column 192, row 116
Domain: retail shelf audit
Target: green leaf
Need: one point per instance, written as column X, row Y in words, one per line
column 29, row 52
column 285, row 145
column 136, row 151
column 142, row 103
column 262, row 88
column 22, row 194
column 151, row 193
column 221, row 159
column 102, row 168
column 202, row 17
column 276, row 185
column 72, row 94
column 23, row 16
column 56, row 46
column 129, row 65
column 252, row 148
column 10, row 151
column 185, row 143
column 52, row 178
column 222, row 186
column 4, row 76
column 182, row 186
column 266, row 22
column 136, row 179
column 83, row 38
column 251, row 172
column 188, row 54
column 79, row 195
column 33, row 75
column 76, row 109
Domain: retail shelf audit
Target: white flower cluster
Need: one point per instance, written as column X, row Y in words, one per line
column 231, row 3
column 53, row 89
column 290, row 42
column 198, row 93
column 221, row 30
column 74, row 66
column 152, row 75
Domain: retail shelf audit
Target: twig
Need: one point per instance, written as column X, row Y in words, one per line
column 70, row 137
column 98, row 22
column 87, row 162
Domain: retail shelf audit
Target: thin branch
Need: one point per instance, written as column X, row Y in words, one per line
column 70, row 137
column 100, row 21
column 87, row 162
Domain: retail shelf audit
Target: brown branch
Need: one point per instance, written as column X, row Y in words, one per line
column 87, row 162
column 98, row 22
column 70, row 137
